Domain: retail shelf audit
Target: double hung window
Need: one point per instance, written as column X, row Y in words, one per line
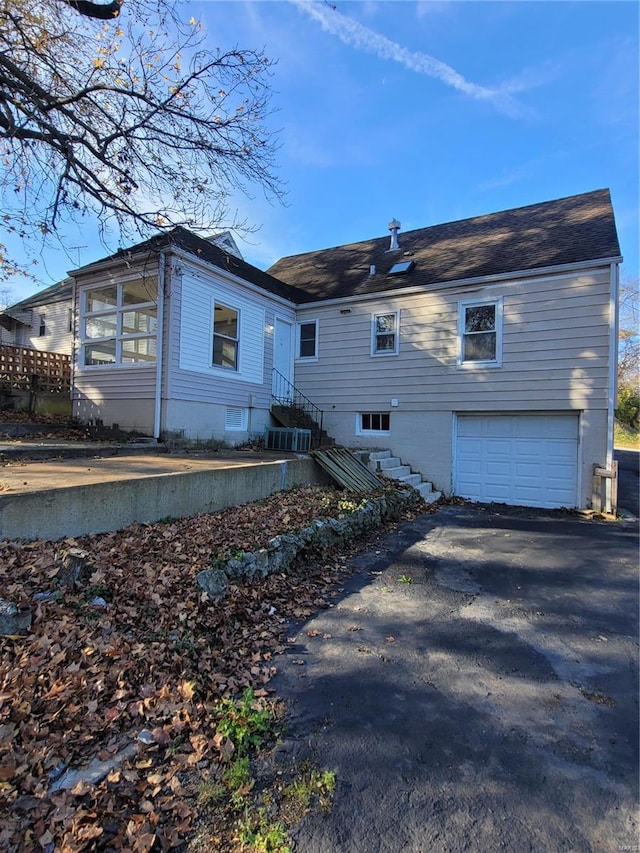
column 384, row 334
column 226, row 330
column 480, row 333
column 308, row 339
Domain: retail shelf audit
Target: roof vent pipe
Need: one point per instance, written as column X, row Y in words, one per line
column 372, row 270
column 394, row 227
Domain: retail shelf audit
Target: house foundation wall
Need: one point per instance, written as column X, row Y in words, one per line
column 129, row 415
column 425, row 441
column 204, row 421
column 421, row 439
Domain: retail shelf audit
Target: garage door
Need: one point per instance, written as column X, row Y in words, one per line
column 523, row 460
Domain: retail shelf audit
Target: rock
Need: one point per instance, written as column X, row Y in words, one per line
column 14, row 619
column 74, row 566
column 214, row 582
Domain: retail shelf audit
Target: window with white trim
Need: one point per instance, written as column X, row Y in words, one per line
column 119, row 324
column 42, row 328
column 373, row 422
column 480, row 333
column 226, row 336
column 384, row 334
column 307, row 340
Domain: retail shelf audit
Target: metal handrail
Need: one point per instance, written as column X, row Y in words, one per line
column 286, row 394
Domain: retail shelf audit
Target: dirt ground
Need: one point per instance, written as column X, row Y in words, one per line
column 475, row 689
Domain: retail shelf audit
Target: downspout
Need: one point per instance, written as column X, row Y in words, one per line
column 74, row 344
column 614, row 313
column 157, row 417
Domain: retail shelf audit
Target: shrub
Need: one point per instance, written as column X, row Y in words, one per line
column 628, row 410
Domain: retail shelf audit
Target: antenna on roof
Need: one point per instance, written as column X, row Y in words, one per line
column 394, row 227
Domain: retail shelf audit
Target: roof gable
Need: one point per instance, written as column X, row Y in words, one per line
column 207, row 251
column 60, row 292
column 565, row 231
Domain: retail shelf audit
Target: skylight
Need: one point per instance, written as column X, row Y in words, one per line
column 401, row 268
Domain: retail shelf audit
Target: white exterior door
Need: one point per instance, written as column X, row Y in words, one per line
column 521, row 460
column 282, row 359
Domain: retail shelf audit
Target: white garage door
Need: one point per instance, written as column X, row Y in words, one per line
column 522, row 460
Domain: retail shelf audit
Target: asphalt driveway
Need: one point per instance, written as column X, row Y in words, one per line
column 475, row 689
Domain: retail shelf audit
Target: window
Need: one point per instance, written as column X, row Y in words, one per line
column 369, row 422
column 225, row 336
column 119, row 324
column 480, row 333
column 385, row 334
column 70, row 320
column 308, row 339
column 42, row 331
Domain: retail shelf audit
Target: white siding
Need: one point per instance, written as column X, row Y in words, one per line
column 57, row 337
column 196, row 330
column 190, row 375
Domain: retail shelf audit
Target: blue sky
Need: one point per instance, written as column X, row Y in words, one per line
column 429, row 112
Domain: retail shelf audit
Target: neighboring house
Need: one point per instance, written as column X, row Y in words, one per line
column 43, row 321
column 482, row 352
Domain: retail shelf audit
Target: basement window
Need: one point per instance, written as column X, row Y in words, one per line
column 369, row 423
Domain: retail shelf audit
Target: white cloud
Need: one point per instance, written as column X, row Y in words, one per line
column 353, row 33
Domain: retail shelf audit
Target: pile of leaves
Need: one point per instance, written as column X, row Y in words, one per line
column 137, row 658
column 50, row 426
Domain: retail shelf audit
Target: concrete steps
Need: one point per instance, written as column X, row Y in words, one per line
column 384, row 462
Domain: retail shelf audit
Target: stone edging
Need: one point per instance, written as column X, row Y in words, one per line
column 320, row 535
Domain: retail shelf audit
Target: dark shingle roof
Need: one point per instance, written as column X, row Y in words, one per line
column 565, row 231
column 59, row 292
column 210, row 252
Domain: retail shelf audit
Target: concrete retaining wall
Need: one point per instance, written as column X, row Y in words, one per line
column 99, row 507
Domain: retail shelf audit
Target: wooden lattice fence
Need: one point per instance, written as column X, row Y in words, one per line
column 24, row 369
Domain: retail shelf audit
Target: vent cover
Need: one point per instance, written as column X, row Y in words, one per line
column 235, row 418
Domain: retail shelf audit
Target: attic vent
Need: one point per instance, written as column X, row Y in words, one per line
column 235, row 418
column 401, row 268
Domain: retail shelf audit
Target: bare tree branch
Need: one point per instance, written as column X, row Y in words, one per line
column 100, row 11
column 132, row 120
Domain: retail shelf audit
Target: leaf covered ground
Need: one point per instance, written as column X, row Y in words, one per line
column 137, row 658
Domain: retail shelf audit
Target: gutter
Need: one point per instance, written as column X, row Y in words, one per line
column 614, row 320
column 157, row 409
